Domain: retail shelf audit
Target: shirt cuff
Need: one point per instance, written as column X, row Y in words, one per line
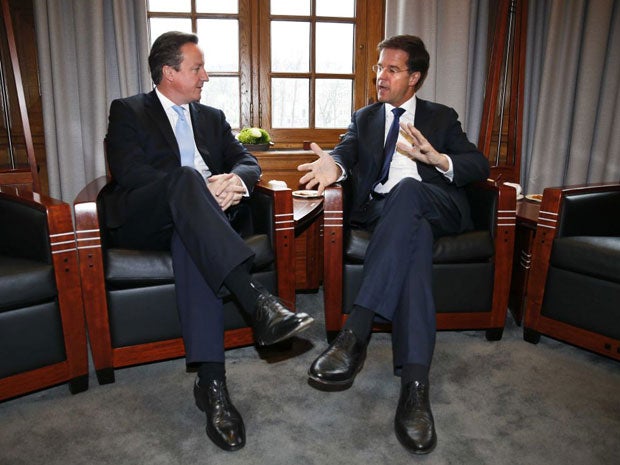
column 343, row 176
column 247, row 192
column 449, row 173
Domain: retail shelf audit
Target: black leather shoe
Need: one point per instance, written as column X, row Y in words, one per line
column 341, row 362
column 414, row 424
column 224, row 423
column 274, row 323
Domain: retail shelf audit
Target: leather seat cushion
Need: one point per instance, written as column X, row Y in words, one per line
column 131, row 268
column 472, row 246
column 31, row 338
column 597, row 256
column 25, row 282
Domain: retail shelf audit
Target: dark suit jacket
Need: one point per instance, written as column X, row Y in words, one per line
column 141, row 148
column 361, row 152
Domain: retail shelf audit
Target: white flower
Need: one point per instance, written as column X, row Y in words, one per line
column 255, row 132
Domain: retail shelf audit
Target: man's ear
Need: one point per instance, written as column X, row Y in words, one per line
column 414, row 78
column 167, row 72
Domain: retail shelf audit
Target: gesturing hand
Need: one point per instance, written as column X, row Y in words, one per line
column 420, row 149
column 228, row 189
column 322, row 172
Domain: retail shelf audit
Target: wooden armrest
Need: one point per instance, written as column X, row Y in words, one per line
column 90, row 192
column 505, row 225
column 91, row 270
column 283, row 239
column 333, row 224
column 85, row 208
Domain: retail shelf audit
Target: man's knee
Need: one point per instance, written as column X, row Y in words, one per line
column 407, row 192
column 185, row 174
column 184, row 178
column 407, row 186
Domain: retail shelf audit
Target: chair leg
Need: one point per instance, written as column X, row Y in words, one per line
column 79, row 384
column 105, row 376
column 531, row 335
column 494, row 334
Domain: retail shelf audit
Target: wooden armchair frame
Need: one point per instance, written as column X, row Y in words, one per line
column 66, row 272
column 94, row 290
column 493, row 321
column 535, row 323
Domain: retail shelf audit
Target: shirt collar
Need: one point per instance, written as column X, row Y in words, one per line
column 408, row 106
column 167, row 103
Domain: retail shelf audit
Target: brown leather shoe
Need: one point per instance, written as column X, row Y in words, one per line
column 274, row 322
column 224, row 423
column 413, row 423
column 340, row 363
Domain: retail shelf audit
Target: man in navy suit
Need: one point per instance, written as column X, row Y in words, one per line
column 180, row 178
column 408, row 161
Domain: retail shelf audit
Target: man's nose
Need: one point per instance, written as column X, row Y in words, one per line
column 383, row 74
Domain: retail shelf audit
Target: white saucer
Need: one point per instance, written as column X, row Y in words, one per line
column 307, row 194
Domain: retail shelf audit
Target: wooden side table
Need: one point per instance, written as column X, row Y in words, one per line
column 527, row 219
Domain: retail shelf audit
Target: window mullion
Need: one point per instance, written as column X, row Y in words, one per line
column 247, row 32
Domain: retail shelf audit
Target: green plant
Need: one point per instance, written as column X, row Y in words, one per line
column 253, row 136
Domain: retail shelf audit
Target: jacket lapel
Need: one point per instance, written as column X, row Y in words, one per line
column 375, row 135
column 423, row 118
column 157, row 114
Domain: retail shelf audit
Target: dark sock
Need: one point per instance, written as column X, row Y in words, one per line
column 360, row 322
column 212, row 370
column 240, row 285
column 414, row 372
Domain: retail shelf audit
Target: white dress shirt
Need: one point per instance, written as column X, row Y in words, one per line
column 402, row 165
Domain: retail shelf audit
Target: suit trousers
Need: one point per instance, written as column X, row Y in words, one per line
column 179, row 213
column 397, row 276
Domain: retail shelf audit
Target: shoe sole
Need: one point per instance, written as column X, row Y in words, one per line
column 417, row 451
column 224, row 446
column 302, row 327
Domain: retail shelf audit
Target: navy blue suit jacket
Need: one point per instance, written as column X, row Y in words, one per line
column 361, row 152
column 141, row 148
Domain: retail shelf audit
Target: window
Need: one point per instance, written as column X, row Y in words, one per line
column 297, row 68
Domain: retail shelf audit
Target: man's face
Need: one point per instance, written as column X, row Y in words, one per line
column 395, row 85
column 186, row 83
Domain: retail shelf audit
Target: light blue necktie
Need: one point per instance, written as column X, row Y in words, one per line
column 184, row 138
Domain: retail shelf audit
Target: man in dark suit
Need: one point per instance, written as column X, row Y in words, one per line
column 408, row 161
column 180, row 178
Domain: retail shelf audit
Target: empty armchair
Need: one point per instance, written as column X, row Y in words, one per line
column 129, row 295
column 471, row 271
column 42, row 331
column 573, row 291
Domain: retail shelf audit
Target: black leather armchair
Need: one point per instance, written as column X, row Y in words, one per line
column 573, row 291
column 471, row 271
column 129, row 295
column 42, row 330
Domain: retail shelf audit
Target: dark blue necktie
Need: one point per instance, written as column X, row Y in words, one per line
column 184, row 138
column 390, row 146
